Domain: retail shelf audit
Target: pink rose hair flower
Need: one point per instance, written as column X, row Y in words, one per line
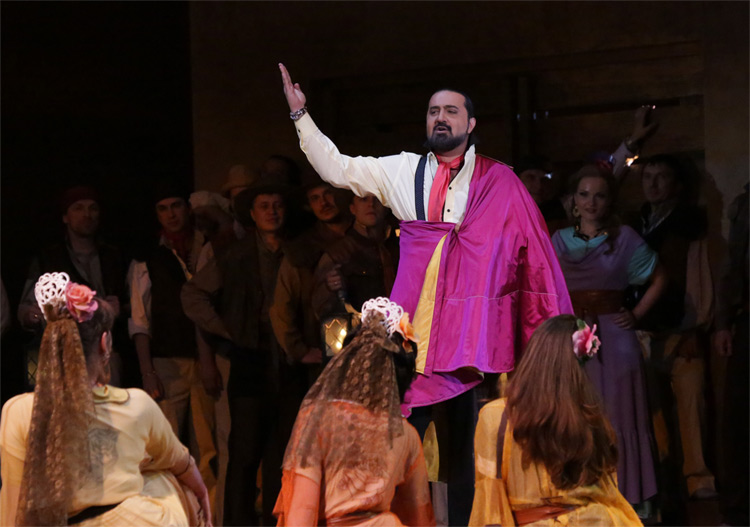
column 585, row 341
column 79, row 300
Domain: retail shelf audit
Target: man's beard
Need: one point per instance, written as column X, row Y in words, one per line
column 85, row 231
column 444, row 142
column 333, row 219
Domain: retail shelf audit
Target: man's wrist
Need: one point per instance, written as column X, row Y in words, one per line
column 295, row 116
column 631, row 145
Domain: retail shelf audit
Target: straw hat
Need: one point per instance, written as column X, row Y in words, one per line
column 239, row 176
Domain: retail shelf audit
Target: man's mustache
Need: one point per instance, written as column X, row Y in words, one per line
column 443, row 125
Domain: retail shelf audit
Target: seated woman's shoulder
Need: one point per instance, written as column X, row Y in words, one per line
column 493, row 408
column 496, row 404
column 139, row 396
column 140, row 405
column 19, row 403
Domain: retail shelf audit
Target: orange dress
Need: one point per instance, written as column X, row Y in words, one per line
column 335, row 496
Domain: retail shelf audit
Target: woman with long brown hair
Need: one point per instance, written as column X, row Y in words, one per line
column 80, row 452
column 546, row 453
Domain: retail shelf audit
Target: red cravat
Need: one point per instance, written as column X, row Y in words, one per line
column 440, row 188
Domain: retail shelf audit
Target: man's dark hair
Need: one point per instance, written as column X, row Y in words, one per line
column 169, row 188
column 534, row 162
column 670, row 161
column 468, row 103
column 293, row 170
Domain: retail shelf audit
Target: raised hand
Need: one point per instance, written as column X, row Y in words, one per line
column 294, row 96
column 642, row 129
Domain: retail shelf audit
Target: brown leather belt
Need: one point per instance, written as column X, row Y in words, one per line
column 543, row 512
column 348, row 520
column 91, row 512
column 590, row 303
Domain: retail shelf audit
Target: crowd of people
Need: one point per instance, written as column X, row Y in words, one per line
column 222, row 324
column 219, row 322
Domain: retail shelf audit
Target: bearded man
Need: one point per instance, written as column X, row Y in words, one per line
column 477, row 269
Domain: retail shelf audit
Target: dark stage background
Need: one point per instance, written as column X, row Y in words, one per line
column 120, row 93
column 92, row 92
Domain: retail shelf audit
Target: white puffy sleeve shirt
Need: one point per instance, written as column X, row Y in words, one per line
column 389, row 178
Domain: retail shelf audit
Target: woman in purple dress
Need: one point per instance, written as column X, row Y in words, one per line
column 599, row 259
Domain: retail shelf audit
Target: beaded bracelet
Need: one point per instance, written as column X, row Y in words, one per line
column 299, row 113
column 190, row 462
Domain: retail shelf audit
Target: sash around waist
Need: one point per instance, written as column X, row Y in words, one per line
column 91, row 512
column 596, row 301
column 542, row 512
column 351, row 519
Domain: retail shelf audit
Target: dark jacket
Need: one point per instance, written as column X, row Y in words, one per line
column 294, row 322
column 671, row 239
column 56, row 258
column 367, row 266
column 172, row 333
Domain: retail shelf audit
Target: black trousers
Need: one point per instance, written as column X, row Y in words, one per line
column 455, row 422
column 262, row 408
column 735, row 433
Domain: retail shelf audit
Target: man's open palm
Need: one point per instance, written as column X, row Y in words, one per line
column 294, row 95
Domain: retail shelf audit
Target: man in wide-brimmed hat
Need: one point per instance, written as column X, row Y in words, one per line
column 240, row 178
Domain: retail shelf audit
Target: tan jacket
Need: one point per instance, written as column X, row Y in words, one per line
column 294, row 323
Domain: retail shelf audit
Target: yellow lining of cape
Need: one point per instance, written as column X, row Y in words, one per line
column 426, row 306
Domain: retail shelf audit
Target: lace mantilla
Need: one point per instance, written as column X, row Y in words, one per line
column 50, row 290
column 390, row 312
column 352, row 414
column 58, row 458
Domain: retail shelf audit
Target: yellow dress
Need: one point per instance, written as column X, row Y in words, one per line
column 528, row 487
column 134, row 445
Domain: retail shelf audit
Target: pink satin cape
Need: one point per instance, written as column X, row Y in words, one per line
column 490, row 284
